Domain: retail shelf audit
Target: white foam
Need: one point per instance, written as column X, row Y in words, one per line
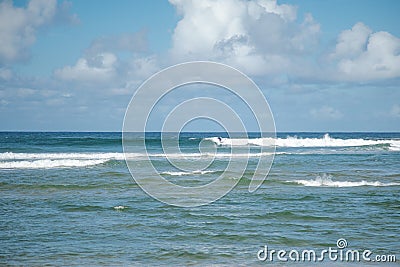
column 294, row 141
column 326, row 181
column 10, row 160
column 120, row 207
column 117, row 156
column 395, row 146
column 211, row 155
column 48, row 163
column 83, row 156
column 188, row 173
column 241, row 141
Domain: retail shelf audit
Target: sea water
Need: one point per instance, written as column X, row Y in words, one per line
column 69, row 199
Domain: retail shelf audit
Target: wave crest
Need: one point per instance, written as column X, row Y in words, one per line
column 294, row 141
column 326, row 181
column 47, row 163
column 10, row 160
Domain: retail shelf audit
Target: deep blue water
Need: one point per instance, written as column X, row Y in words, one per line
column 69, row 199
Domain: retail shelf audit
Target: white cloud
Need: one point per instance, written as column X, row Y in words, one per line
column 260, row 37
column 99, row 68
column 18, row 26
column 138, row 70
column 265, row 38
column 364, row 55
column 326, row 112
column 143, row 67
column 351, row 43
column 105, row 67
column 107, row 72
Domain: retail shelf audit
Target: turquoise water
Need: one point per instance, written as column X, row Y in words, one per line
column 69, row 199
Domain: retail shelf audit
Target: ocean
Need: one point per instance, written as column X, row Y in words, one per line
column 68, row 198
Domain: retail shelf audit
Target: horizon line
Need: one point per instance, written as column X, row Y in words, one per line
column 68, row 131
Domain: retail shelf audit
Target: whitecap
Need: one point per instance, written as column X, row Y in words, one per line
column 47, row 163
column 294, row 141
column 120, row 207
column 326, row 181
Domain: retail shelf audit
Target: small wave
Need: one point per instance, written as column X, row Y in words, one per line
column 10, row 160
column 294, row 141
column 188, row 173
column 87, row 156
column 241, row 141
column 395, row 146
column 326, row 181
column 118, row 156
column 47, row 163
column 210, row 155
column 120, row 208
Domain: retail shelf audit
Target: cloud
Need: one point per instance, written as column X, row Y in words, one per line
column 113, row 62
column 99, row 68
column 260, row 37
column 137, row 70
column 326, row 112
column 105, row 71
column 264, row 38
column 364, row 55
column 351, row 43
column 18, row 26
column 143, row 67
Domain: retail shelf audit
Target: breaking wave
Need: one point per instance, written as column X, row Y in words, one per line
column 326, row 181
column 10, row 160
column 47, row 163
column 54, row 156
column 294, row 141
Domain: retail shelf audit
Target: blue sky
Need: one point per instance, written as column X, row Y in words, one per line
column 322, row 65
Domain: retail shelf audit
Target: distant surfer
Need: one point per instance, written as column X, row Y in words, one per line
column 219, row 139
